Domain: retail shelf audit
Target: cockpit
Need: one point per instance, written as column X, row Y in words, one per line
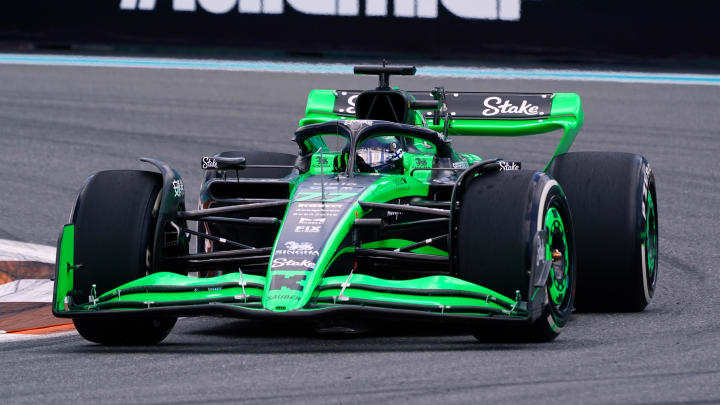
column 372, row 147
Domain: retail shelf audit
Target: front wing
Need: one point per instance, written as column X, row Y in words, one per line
column 240, row 295
column 436, row 297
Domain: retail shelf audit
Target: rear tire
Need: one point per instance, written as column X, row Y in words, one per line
column 613, row 200
column 499, row 217
column 115, row 219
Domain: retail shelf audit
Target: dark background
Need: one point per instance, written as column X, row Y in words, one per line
column 571, row 30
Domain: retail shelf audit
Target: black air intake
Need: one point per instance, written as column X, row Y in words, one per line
column 387, row 105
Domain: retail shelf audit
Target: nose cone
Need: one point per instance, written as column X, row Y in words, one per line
column 319, row 217
column 286, row 289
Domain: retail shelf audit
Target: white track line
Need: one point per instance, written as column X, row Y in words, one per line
column 13, row 251
column 27, row 290
column 19, row 337
column 477, row 72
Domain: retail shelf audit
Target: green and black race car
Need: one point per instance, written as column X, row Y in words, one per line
column 376, row 218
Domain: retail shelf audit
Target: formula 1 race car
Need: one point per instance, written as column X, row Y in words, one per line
column 376, row 218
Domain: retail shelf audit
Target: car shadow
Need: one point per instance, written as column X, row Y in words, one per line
column 217, row 335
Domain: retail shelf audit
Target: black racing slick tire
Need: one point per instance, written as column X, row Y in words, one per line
column 500, row 214
column 115, row 217
column 614, row 204
column 124, row 332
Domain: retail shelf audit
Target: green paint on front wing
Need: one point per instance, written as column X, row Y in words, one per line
column 157, row 290
column 420, row 286
column 401, row 243
column 65, row 266
column 435, row 293
column 174, row 279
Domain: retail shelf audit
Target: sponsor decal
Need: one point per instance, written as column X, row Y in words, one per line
column 209, row 163
column 323, row 214
column 460, row 165
column 357, row 125
column 317, row 196
column 321, row 161
column 299, row 245
column 646, row 181
column 307, row 229
column 178, row 188
column 333, row 187
column 317, row 206
column 285, row 262
column 508, row 165
column 307, row 210
column 292, row 282
column 284, row 297
column 309, row 224
column 506, row 10
column 312, row 221
column 421, row 163
column 345, row 102
column 293, row 248
column 497, row 105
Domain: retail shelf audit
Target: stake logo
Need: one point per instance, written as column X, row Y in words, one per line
column 508, row 165
column 209, row 163
column 496, row 105
column 283, row 262
column 506, row 10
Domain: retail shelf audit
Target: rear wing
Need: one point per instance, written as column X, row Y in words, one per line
column 471, row 113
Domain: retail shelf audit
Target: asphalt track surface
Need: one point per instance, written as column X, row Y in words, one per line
column 59, row 124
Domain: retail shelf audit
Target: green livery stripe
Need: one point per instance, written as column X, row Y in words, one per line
column 65, row 266
column 433, row 292
column 419, row 306
column 420, row 293
column 401, row 243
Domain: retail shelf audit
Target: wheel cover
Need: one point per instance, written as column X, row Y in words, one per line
column 651, row 240
column 559, row 278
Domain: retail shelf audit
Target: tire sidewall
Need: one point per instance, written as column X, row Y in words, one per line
column 645, row 190
column 548, row 194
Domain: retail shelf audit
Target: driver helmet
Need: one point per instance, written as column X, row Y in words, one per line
column 381, row 154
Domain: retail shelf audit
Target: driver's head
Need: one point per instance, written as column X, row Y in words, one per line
column 381, row 154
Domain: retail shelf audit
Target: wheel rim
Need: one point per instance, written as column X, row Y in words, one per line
column 651, row 240
column 559, row 277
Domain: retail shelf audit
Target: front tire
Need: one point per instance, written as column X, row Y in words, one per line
column 500, row 214
column 115, row 218
column 125, row 331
